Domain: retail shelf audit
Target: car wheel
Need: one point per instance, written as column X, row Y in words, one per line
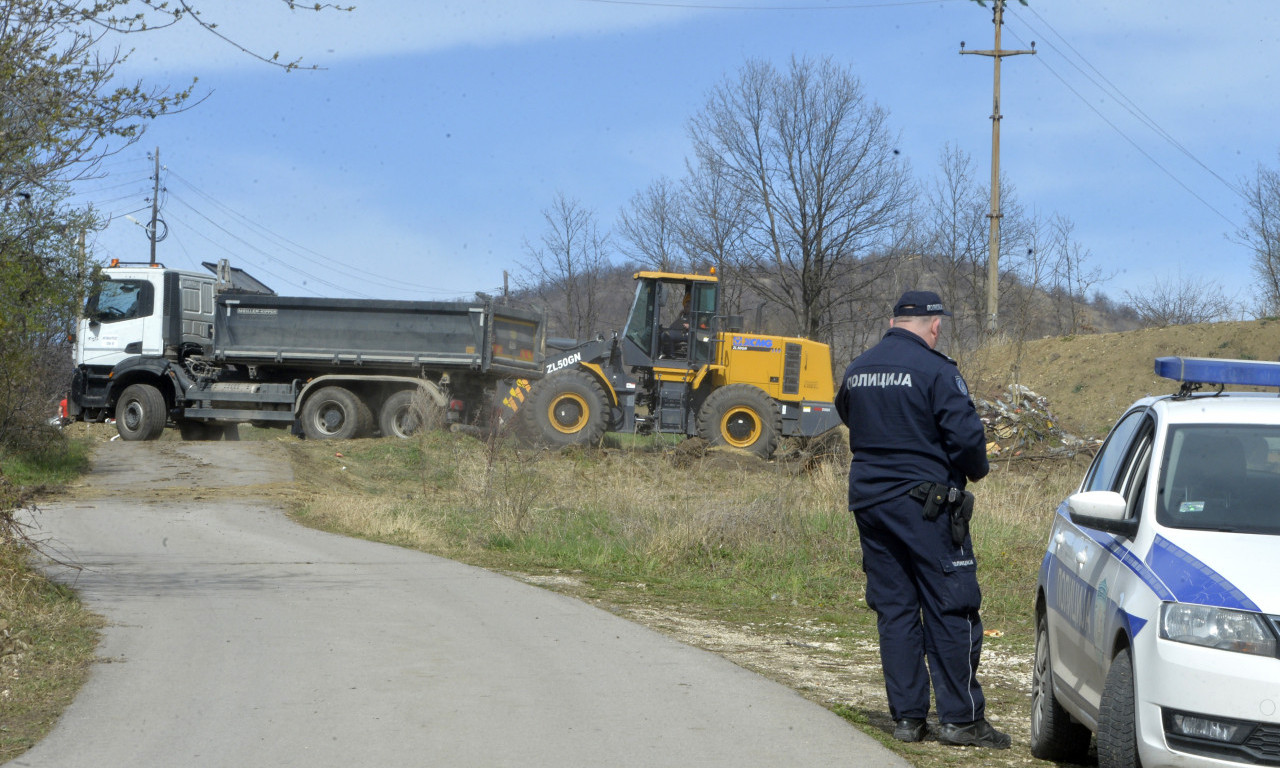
column 1054, row 735
column 1117, row 722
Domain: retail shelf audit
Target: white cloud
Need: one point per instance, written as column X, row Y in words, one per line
column 379, row 28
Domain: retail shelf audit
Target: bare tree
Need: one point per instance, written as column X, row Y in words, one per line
column 1073, row 278
column 713, row 226
column 566, row 270
column 1262, row 235
column 813, row 164
column 955, row 242
column 1181, row 301
column 649, row 229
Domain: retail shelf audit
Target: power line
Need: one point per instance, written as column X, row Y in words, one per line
column 1131, row 142
column 261, row 252
column 305, row 253
column 1125, row 102
column 722, row 7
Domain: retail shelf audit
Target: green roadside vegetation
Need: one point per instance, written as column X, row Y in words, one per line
column 47, row 639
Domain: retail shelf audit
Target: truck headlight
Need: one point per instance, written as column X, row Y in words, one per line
column 1211, row 627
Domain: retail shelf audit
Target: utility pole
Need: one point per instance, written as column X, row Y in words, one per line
column 155, row 204
column 993, row 260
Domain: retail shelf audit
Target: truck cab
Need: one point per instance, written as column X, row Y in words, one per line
column 144, row 310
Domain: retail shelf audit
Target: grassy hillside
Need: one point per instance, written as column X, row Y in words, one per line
column 1090, row 379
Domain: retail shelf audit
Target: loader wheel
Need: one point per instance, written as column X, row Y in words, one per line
column 335, row 413
column 141, row 412
column 741, row 416
column 565, row 408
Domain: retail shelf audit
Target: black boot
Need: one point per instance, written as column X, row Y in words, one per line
column 979, row 733
column 910, row 729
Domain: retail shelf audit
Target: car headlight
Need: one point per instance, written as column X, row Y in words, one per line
column 1212, row 627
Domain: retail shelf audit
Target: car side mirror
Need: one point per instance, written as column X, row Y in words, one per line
column 1102, row 510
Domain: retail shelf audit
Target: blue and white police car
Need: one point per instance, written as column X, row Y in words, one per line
column 1158, row 601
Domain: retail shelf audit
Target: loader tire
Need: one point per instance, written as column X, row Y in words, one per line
column 335, row 413
column 141, row 412
column 741, row 416
column 566, row 408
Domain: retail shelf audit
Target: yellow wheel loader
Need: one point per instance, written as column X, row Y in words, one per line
column 681, row 367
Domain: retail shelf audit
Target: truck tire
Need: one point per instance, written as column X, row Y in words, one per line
column 566, row 408
column 335, row 413
column 741, row 416
column 141, row 412
column 402, row 414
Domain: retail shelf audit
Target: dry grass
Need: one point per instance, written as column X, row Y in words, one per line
column 758, row 561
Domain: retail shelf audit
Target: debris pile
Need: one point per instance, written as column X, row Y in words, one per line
column 1019, row 423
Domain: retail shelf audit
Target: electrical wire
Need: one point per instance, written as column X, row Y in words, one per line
column 1128, row 104
column 1044, row 63
column 308, row 254
column 263, row 253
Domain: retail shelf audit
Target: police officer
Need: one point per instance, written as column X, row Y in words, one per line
column 916, row 440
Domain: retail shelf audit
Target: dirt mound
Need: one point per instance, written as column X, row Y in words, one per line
column 1090, row 380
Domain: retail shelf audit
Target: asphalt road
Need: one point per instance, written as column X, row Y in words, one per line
column 238, row 638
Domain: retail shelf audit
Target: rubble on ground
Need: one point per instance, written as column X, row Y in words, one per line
column 1019, row 423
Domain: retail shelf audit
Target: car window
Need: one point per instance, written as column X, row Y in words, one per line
column 1135, row 483
column 1221, row 477
column 1107, row 466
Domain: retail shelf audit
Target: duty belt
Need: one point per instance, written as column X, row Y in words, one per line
column 938, row 498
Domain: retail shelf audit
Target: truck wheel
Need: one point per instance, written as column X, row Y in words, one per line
column 335, row 413
column 141, row 412
column 741, row 416
column 403, row 414
column 565, row 408
column 1054, row 736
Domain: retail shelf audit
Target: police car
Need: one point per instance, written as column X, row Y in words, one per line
column 1158, row 601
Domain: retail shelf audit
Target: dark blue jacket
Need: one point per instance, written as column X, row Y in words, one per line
column 910, row 420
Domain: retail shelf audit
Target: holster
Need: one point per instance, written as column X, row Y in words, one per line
column 938, row 498
column 961, row 513
column 935, row 497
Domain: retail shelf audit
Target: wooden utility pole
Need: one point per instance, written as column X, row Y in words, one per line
column 155, row 206
column 993, row 260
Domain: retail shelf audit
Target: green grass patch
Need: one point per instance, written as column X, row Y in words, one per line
column 46, row 638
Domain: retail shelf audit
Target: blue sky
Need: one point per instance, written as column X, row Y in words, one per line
column 416, row 164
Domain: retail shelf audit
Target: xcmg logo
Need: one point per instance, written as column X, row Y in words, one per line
column 746, row 342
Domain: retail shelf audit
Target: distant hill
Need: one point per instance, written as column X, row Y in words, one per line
column 1090, row 379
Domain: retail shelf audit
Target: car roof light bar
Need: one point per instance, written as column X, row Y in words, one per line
column 1202, row 370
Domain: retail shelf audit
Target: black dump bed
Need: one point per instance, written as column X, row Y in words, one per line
column 327, row 333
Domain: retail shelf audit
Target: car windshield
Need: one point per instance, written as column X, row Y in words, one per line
column 1221, row 478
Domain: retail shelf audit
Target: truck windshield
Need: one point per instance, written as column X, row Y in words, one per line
column 117, row 300
column 1221, row 478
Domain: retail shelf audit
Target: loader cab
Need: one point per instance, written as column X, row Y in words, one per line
column 671, row 321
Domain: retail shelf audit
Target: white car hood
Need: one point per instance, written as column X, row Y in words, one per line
column 1231, row 570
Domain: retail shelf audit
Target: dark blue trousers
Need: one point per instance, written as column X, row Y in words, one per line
column 925, row 593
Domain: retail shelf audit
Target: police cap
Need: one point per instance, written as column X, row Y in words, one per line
column 919, row 303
